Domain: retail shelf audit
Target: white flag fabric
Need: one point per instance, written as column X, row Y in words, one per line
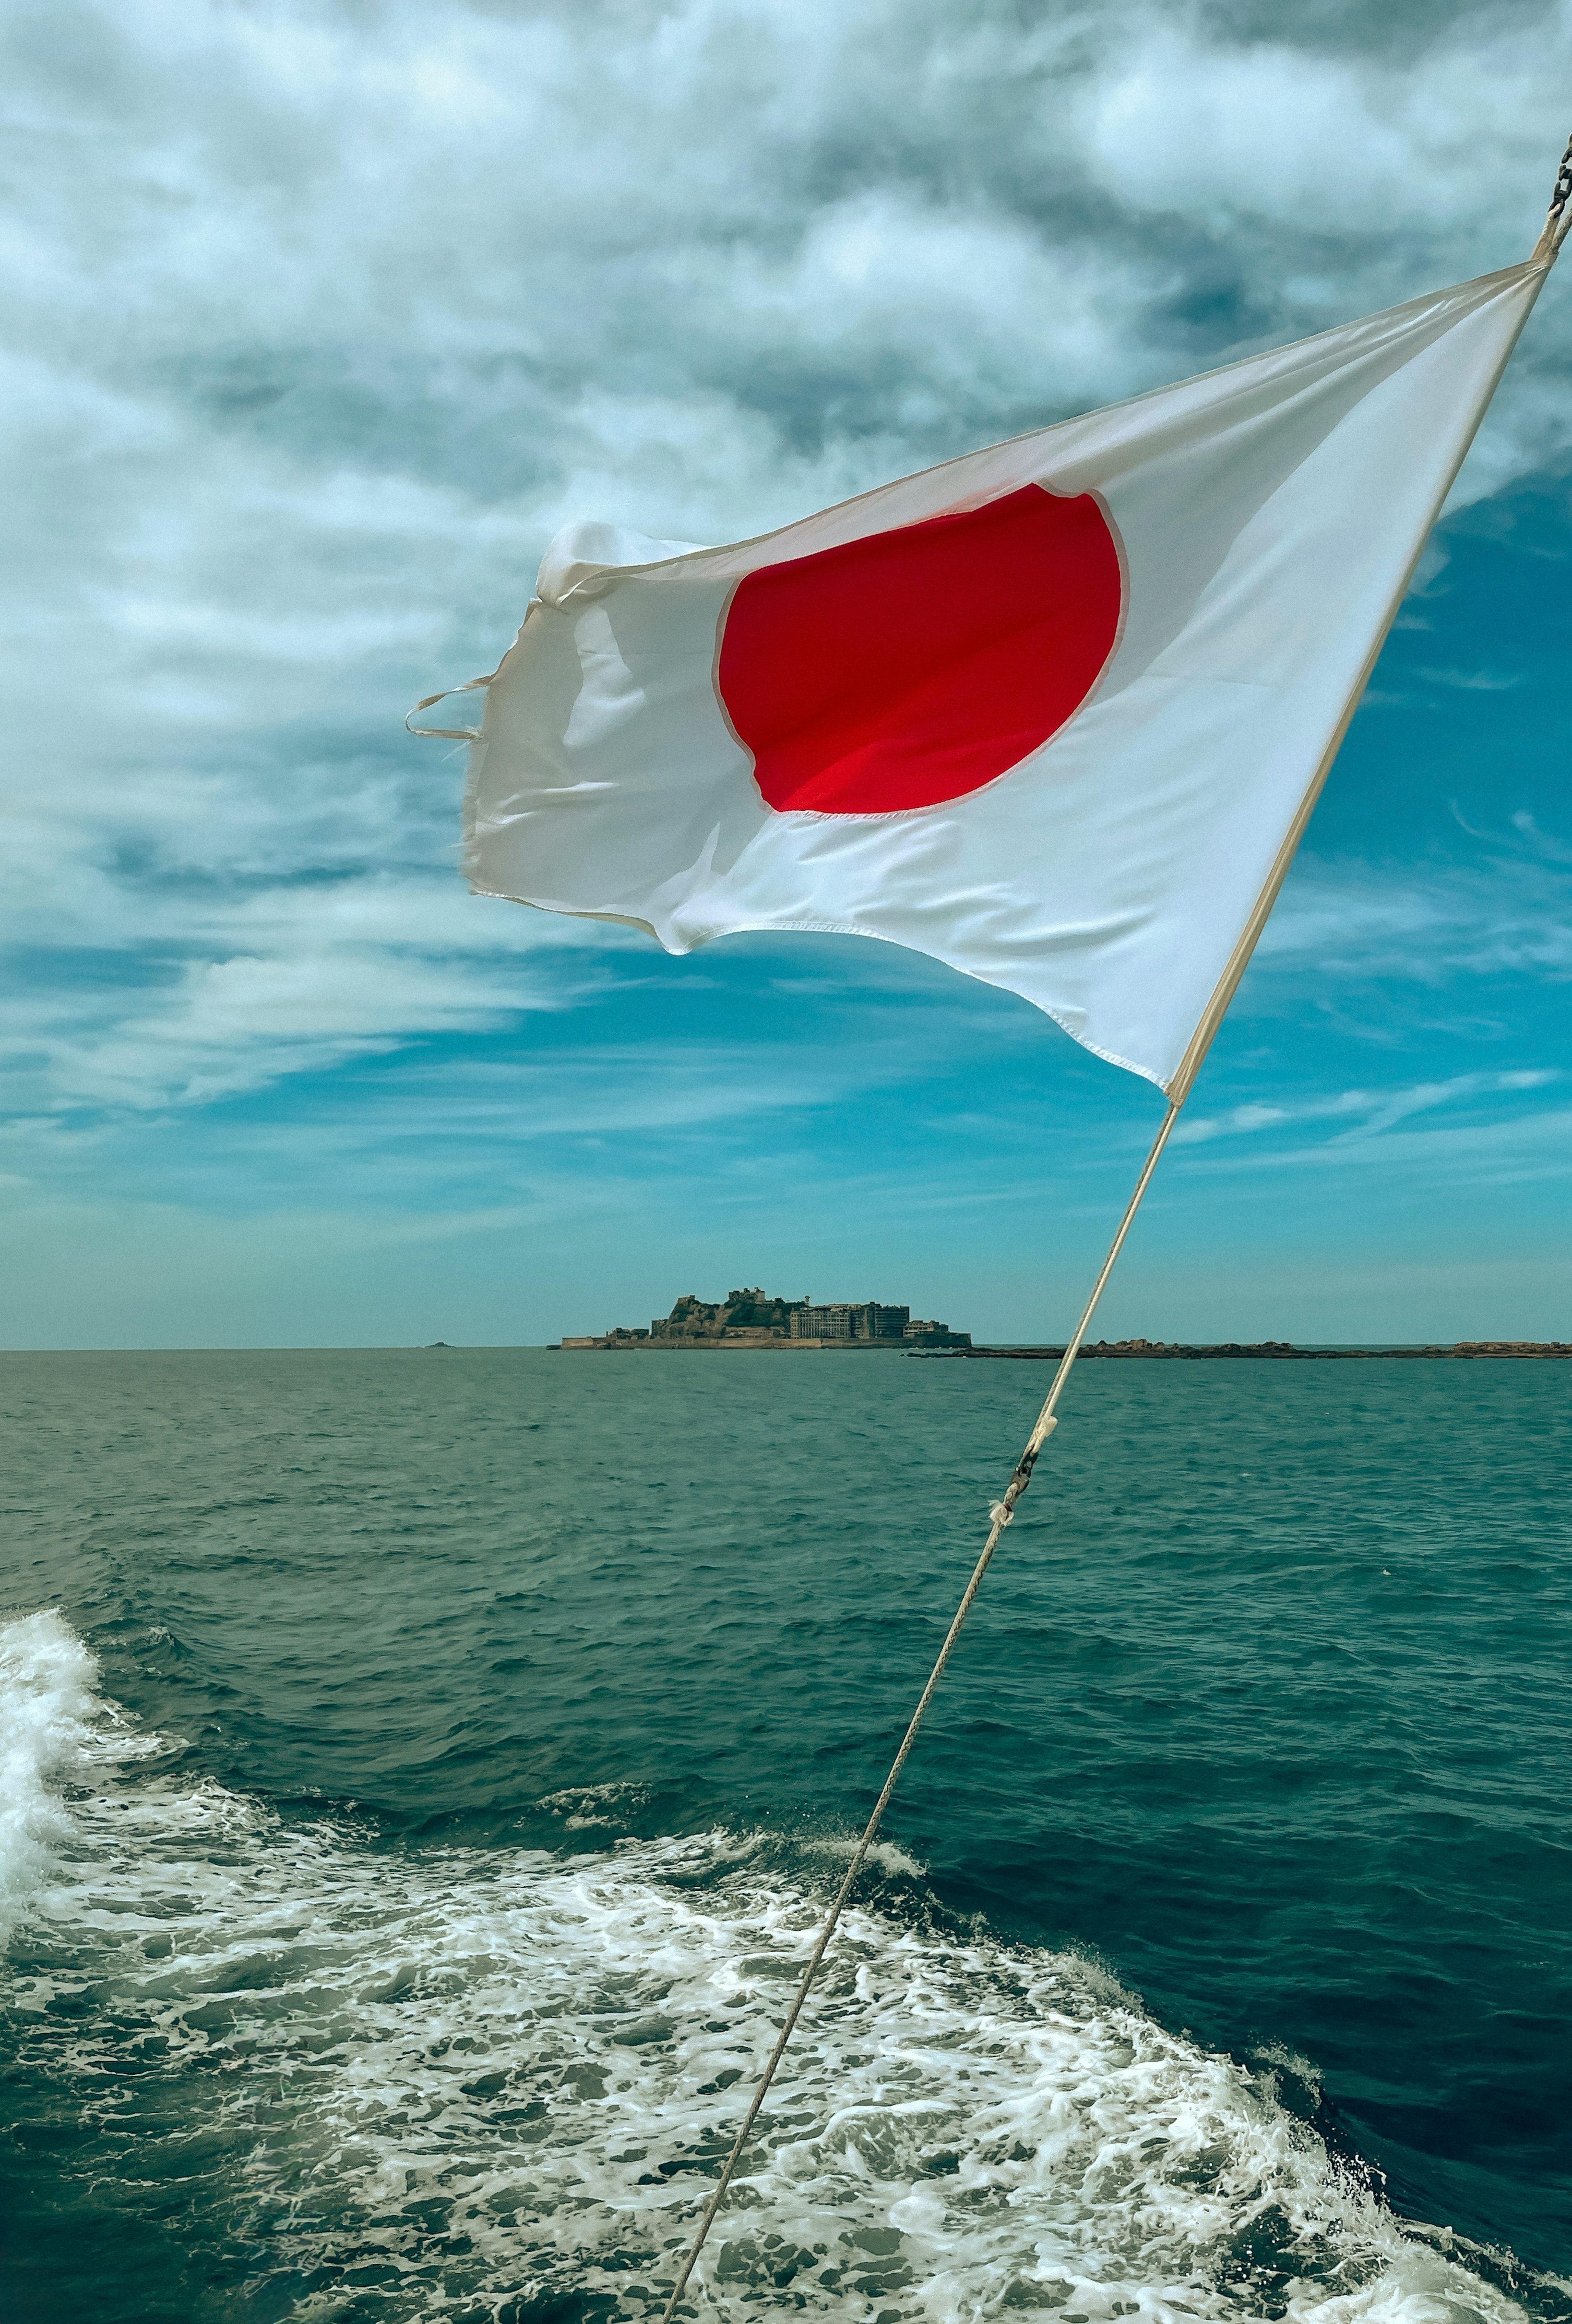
column 1055, row 712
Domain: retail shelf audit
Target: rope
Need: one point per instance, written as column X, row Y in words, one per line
column 1000, row 1514
column 448, row 734
column 1557, row 221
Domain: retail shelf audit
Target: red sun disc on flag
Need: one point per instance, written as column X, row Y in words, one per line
column 919, row 664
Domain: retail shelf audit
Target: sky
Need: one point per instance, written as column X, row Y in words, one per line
column 321, row 320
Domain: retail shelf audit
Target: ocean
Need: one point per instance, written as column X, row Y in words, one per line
column 423, row 1773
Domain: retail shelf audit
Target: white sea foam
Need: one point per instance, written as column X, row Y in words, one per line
column 463, row 2082
column 883, row 1853
column 589, row 1807
column 47, row 1702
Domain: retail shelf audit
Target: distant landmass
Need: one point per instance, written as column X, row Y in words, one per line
column 758, row 1319
column 1276, row 1349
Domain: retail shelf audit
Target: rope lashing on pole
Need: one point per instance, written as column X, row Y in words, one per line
column 1558, row 222
column 1000, row 1514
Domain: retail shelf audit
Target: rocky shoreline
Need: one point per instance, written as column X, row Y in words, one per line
column 1273, row 1350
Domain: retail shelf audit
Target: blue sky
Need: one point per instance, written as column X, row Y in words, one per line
column 324, row 320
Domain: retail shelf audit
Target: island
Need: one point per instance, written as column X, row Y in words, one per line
column 756, row 1319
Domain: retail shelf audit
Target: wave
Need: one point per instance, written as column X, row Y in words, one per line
column 48, row 1703
column 460, row 2083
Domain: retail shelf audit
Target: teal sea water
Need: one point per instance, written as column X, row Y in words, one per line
column 422, row 1772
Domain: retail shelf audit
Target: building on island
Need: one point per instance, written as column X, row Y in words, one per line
column 843, row 1321
column 756, row 1318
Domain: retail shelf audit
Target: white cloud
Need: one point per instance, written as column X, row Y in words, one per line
column 324, row 316
column 1517, row 1147
column 1426, row 145
column 1368, row 1113
column 1507, row 914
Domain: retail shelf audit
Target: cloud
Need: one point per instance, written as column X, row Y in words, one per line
column 324, row 318
column 1515, row 1148
column 1368, row 1113
column 1508, row 914
column 1544, row 844
column 1474, row 681
column 235, row 1024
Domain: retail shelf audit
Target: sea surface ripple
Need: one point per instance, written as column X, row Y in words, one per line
column 421, row 1773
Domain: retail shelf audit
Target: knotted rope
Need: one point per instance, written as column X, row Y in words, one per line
column 1557, row 222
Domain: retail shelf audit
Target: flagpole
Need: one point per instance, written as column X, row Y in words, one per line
column 1000, row 1516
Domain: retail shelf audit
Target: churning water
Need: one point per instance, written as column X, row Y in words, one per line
column 421, row 1776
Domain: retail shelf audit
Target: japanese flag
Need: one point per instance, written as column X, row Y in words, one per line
column 1056, row 712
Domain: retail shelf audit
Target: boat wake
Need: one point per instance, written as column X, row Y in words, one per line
column 494, row 2083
